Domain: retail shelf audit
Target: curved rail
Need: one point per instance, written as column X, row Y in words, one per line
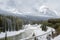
column 39, row 36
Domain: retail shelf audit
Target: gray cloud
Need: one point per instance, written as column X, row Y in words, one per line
column 30, row 5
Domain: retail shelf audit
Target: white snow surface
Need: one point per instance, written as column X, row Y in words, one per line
column 37, row 31
column 57, row 38
column 12, row 33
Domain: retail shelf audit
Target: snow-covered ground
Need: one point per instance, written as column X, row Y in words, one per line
column 12, row 33
column 57, row 38
column 38, row 31
column 41, row 35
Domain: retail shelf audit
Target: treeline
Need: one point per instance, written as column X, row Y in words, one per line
column 10, row 23
column 55, row 23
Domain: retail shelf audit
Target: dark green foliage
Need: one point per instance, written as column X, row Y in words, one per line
column 56, row 26
column 44, row 28
column 55, row 23
column 19, row 24
column 0, row 21
column 10, row 23
column 58, row 30
column 49, row 24
column 35, row 22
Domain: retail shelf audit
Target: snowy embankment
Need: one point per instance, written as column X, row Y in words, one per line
column 38, row 31
column 34, row 29
column 12, row 33
column 57, row 38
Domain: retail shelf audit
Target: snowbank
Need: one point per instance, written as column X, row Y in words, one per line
column 57, row 38
column 34, row 29
column 12, row 33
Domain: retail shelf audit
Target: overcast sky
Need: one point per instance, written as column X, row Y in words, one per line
column 29, row 5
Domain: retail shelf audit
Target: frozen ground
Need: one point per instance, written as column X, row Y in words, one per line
column 57, row 38
column 35, row 29
column 12, row 33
